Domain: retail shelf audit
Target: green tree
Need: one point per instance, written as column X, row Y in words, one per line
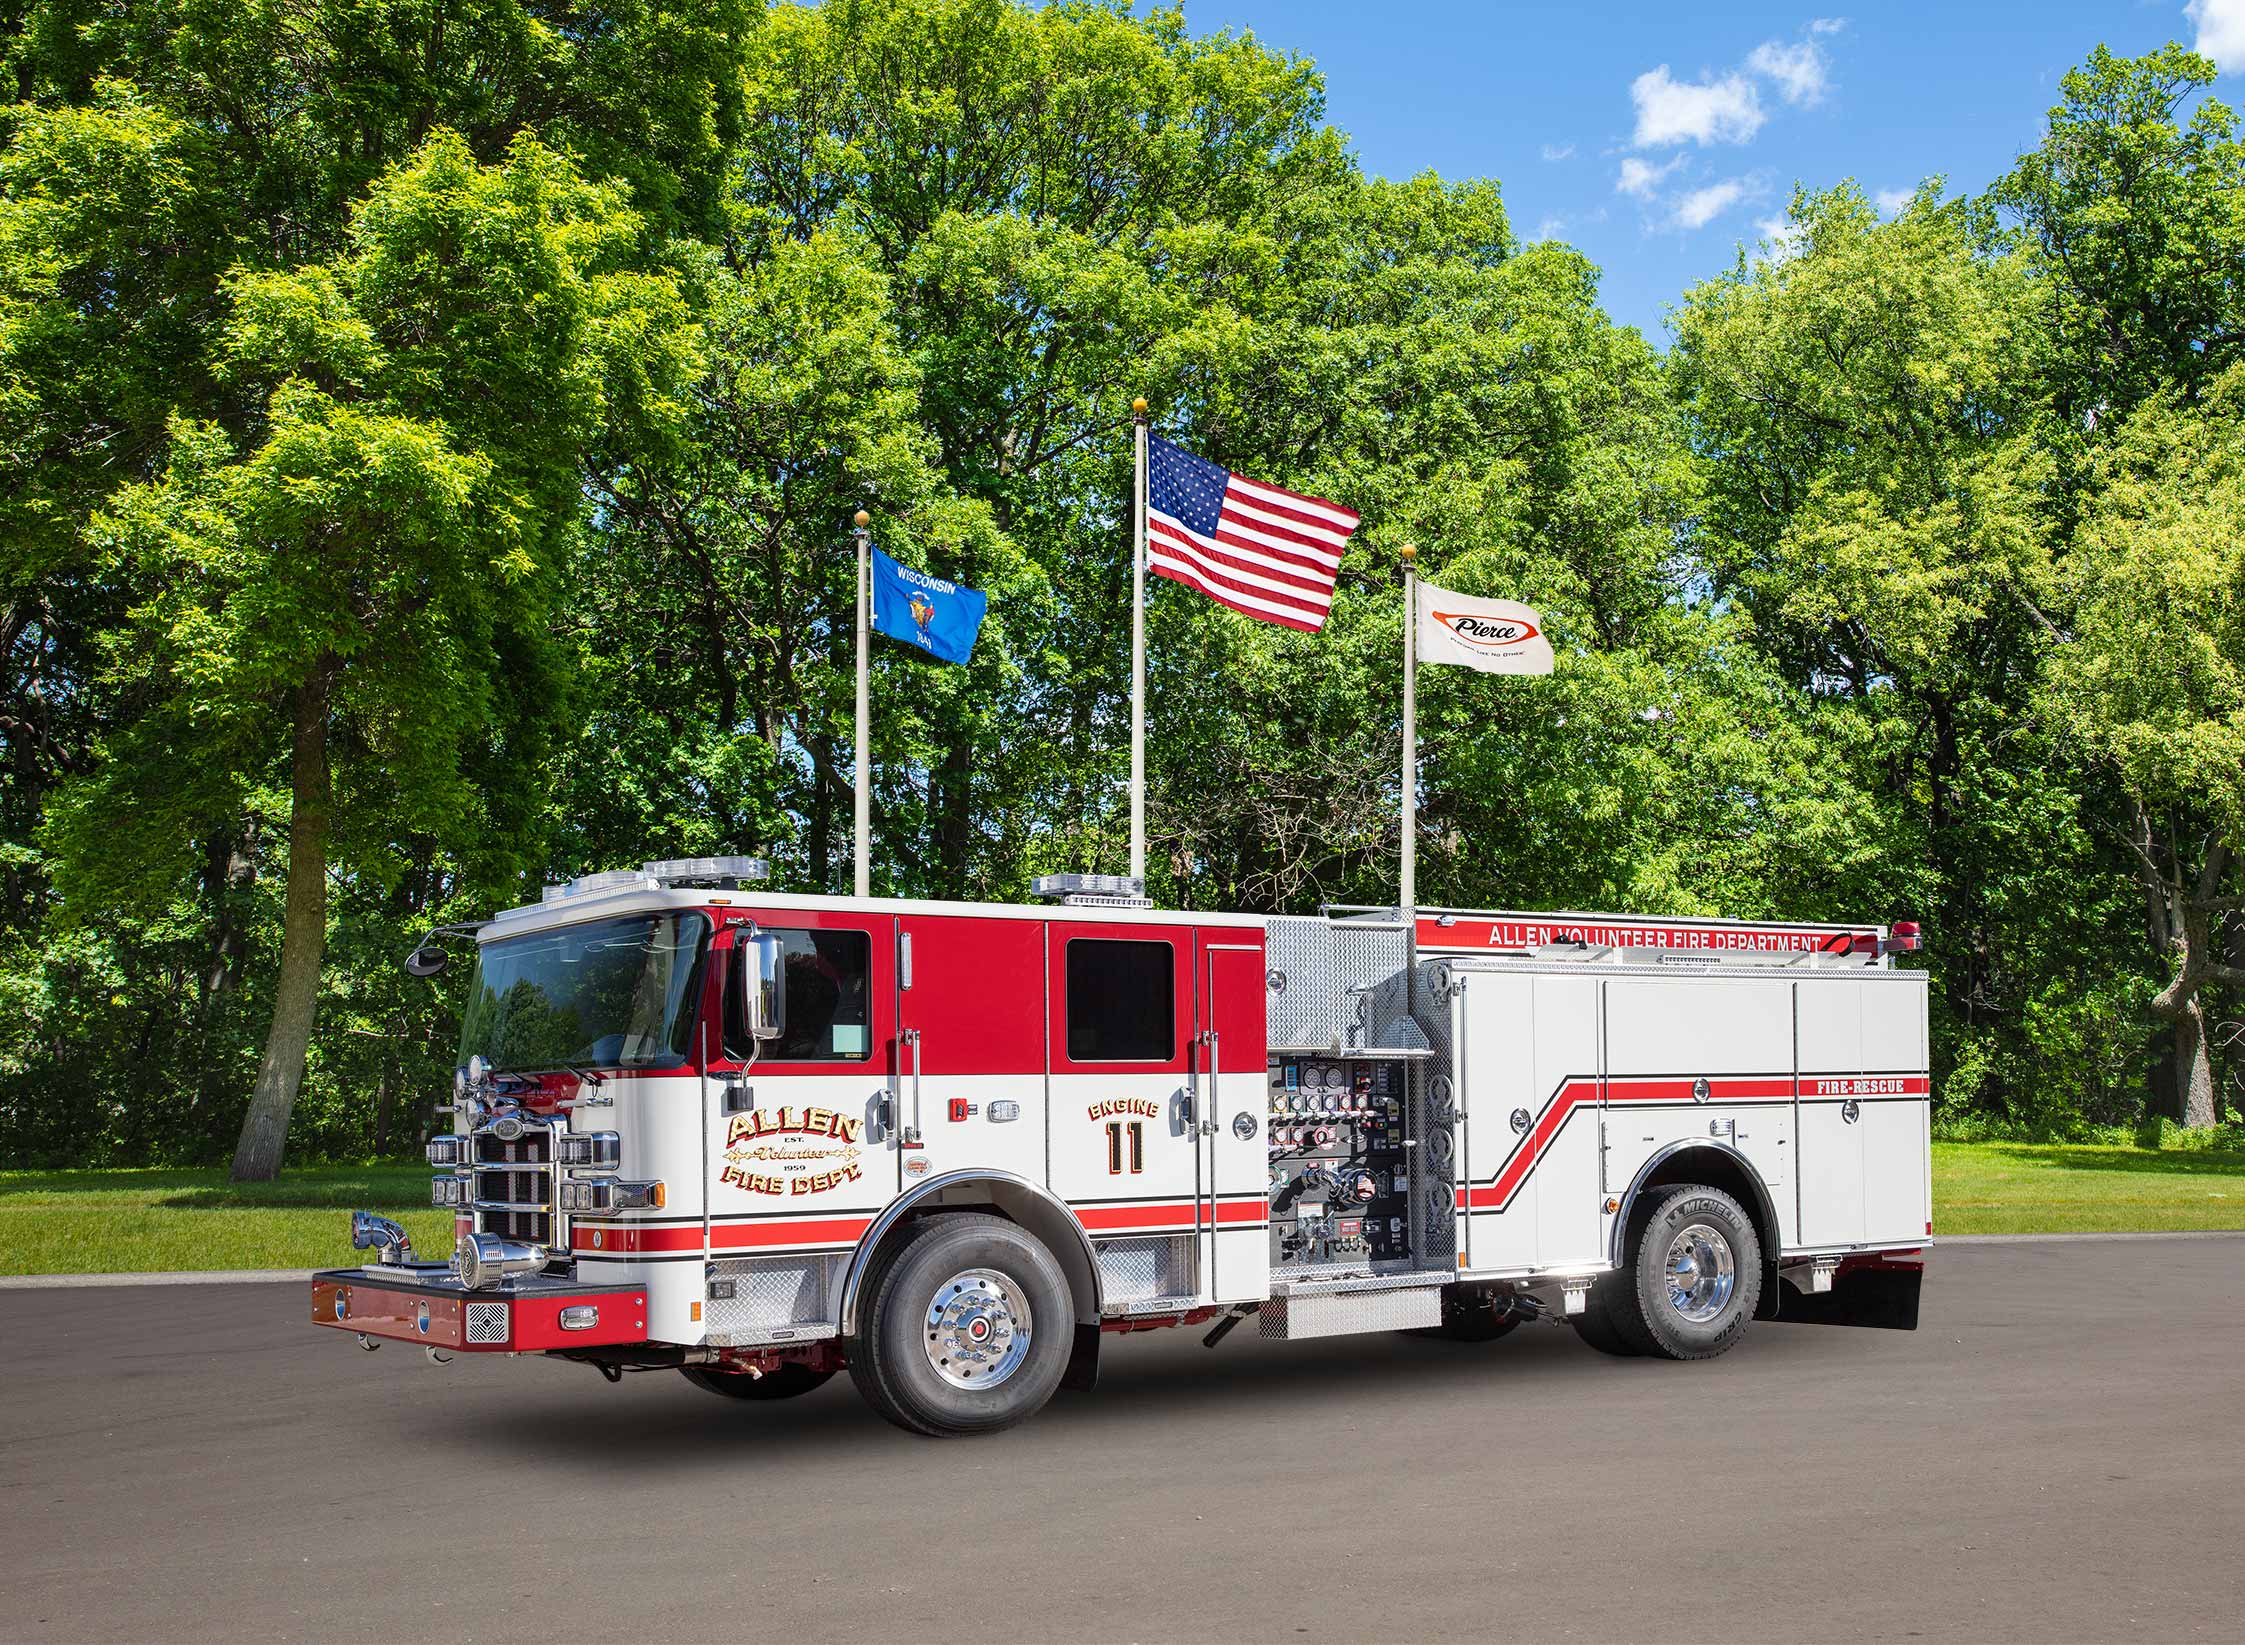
column 364, row 574
column 2152, row 681
column 2132, row 221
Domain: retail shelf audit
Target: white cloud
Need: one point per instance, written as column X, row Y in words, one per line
column 1797, row 69
column 1890, row 201
column 2221, row 32
column 1641, row 177
column 1826, row 25
column 1784, row 237
column 1698, row 207
column 1552, row 228
column 1559, row 151
column 1670, row 111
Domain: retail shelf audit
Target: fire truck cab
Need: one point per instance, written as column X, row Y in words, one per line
column 757, row 1138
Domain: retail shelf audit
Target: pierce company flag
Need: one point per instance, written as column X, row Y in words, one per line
column 1495, row 636
column 941, row 618
column 1257, row 548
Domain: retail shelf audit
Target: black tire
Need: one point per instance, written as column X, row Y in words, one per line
column 895, row 1355
column 1637, row 1299
column 1471, row 1313
column 1595, row 1324
column 789, row 1381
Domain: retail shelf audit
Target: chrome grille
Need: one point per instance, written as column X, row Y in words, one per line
column 487, row 1322
column 514, row 1185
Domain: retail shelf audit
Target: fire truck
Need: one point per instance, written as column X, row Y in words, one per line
column 756, row 1138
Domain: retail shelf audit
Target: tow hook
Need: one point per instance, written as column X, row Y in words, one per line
column 436, row 1358
column 367, row 1342
column 614, row 1373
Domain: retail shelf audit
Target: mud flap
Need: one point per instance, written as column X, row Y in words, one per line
column 1879, row 1292
column 1083, row 1360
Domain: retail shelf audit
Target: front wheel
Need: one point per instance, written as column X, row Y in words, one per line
column 1694, row 1276
column 967, row 1328
column 788, row 1381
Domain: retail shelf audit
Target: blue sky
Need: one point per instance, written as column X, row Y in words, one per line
column 1657, row 137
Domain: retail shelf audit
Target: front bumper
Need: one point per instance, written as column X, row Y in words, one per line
column 426, row 1303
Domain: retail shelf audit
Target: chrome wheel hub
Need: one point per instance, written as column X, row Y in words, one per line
column 1702, row 1272
column 978, row 1329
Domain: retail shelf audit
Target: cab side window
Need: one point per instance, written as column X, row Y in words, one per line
column 827, row 1011
column 1122, row 1004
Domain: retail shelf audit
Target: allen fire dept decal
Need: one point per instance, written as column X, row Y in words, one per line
column 792, row 1151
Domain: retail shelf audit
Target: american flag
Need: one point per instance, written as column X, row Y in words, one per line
column 1257, row 548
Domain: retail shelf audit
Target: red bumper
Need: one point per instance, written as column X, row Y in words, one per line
column 521, row 1319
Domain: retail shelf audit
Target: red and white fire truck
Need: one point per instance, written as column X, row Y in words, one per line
column 704, row 1126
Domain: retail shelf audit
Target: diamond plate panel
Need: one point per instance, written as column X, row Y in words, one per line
column 1135, row 1270
column 1332, row 970
column 772, row 1294
column 1344, row 1313
column 487, row 1322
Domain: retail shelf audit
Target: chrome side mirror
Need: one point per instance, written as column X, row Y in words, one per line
column 426, row 961
column 759, row 967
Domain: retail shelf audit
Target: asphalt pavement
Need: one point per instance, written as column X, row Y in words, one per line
column 2055, row 1455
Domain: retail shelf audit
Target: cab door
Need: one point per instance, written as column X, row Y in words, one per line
column 799, row 1152
column 1230, row 1079
column 1127, row 1154
column 971, row 1044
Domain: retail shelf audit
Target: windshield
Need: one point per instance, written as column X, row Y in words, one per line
column 616, row 994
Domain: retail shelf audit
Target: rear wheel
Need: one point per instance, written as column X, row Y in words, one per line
column 781, row 1382
column 1694, row 1276
column 967, row 1327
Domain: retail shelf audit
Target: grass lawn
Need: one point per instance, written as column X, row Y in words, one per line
column 2030, row 1188
column 89, row 1222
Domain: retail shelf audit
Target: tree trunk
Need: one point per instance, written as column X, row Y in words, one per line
column 303, row 942
column 2194, row 1067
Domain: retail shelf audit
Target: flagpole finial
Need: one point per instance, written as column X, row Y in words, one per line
column 861, row 519
column 1407, row 553
column 1138, row 409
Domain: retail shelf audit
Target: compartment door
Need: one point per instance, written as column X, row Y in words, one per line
column 1230, row 1072
column 1493, row 1020
column 1828, row 1111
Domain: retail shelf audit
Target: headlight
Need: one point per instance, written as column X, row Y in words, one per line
column 597, row 1194
column 444, row 1150
column 448, row 1191
column 588, row 1148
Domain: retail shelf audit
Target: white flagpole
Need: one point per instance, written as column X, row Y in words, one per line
column 863, row 847
column 1410, row 888
column 1138, row 651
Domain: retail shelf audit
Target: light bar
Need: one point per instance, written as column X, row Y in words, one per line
column 1098, row 890
column 692, row 870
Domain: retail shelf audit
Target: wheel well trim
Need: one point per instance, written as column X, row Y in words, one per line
column 1764, row 1203
column 861, row 1260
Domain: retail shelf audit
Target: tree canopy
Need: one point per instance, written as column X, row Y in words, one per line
column 428, row 436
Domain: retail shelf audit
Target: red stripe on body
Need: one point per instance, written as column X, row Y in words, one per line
column 1575, row 1093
